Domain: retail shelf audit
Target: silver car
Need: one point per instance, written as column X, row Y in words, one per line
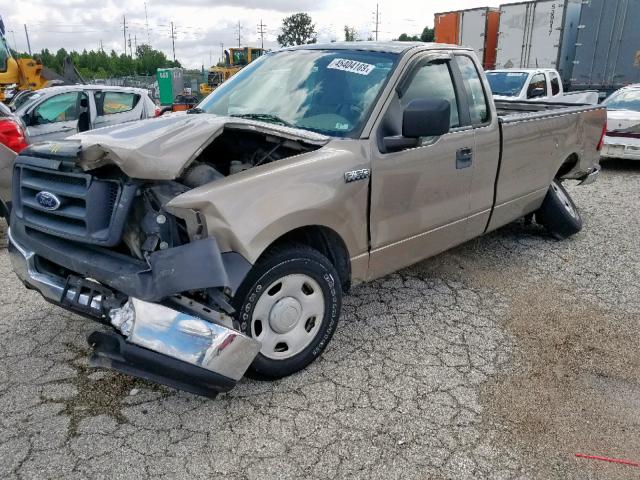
column 623, row 124
column 55, row 113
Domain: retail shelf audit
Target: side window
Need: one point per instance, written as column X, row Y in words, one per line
column 109, row 103
column 433, row 81
column 538, row 81
column 478, row 106
column 61, row 108
column 555, row 84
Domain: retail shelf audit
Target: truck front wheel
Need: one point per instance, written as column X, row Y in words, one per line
column 290, row 302
column 558, row 214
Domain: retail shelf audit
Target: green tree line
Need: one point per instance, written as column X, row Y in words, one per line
column 299, row 29
column 100, row 64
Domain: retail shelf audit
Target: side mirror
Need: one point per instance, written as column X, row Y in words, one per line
column 426, row 118
column 536, row 92
column 421, row 118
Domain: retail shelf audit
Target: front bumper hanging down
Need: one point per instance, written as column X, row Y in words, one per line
column 153, row 341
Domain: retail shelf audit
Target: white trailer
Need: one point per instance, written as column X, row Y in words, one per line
column 539, row 34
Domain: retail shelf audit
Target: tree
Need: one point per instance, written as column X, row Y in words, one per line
column 149, row 60
column 427, row 35
column 99, row 64
column 297, row 29
column 350, row 34
column 406, row 38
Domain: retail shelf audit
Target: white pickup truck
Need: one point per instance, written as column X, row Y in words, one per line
column 535, row 84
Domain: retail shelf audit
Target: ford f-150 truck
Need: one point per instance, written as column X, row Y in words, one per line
column 222, row 239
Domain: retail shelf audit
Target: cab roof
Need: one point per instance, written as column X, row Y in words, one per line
column 386, row 47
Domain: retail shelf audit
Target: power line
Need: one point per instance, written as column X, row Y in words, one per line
column 261, row 31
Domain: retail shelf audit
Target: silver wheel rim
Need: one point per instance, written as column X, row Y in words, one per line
column 564, row 199
column 287, row 316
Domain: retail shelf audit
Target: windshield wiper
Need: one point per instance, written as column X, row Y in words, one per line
column 265, row 117
column 195, row 110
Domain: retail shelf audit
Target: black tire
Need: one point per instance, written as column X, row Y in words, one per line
column 558, row 214
column 280, row 263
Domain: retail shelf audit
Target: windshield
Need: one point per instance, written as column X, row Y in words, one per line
column 507, row 84
column 624, row 100
column 23, row 98
column 325, row 91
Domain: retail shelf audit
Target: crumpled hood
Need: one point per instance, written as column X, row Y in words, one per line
column 623, row 121
column 161, row 148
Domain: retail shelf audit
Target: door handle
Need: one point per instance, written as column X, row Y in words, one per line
column 464, row 157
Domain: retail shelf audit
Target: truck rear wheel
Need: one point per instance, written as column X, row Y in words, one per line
column 290, row 302
column 558, row 214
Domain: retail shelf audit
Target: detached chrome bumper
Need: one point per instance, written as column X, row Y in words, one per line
column 592, row 175
column 160, row 344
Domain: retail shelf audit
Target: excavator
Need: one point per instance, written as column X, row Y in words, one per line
column 235, row 60
column 29, row 73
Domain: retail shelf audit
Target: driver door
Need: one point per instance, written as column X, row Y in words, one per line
column 55, row 118
column 420, row 196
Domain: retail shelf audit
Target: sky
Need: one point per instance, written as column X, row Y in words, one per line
column 201, row 26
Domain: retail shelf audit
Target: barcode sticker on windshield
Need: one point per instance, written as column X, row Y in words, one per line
column 351, row 66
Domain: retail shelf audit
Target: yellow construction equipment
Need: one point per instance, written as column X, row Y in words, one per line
column 24, row 73
column 235, row 60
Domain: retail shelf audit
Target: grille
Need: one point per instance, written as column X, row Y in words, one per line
column 76, row 206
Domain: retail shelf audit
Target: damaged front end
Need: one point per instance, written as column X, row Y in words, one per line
column 101, row 244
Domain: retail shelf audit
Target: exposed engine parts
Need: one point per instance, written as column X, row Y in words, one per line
column 234, row 151
column 150, row 227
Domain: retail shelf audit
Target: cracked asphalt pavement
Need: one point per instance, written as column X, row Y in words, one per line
column 502, row 358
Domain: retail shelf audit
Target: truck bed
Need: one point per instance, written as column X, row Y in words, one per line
column 540, row 140
column 509, row 110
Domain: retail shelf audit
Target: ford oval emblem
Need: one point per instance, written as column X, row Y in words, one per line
column 48, row 200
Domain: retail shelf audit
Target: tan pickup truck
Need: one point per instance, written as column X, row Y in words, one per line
column 224, row 238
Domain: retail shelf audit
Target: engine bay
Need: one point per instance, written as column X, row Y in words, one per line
column 236, row 150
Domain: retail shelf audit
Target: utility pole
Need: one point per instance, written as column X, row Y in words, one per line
column 239, row 33
column 101, row 49
column 15, row 45
column 26, row 32
column 377, row 22
column 130, row 51
column 135, row 43
column 261, row 31
column 146, row 18
column 173, row 42
column 222, row 52
column 124, row 33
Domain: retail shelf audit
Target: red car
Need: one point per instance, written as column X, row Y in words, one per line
column 12, row 134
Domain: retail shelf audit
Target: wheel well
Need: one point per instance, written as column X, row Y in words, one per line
column 569, row 164
column 326, row 241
